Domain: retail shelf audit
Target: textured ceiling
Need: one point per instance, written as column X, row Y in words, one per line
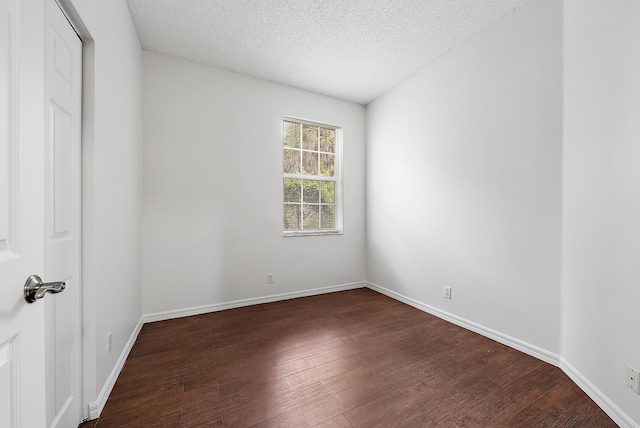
column 349, row 49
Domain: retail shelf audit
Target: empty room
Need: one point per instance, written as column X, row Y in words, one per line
column 319, row 213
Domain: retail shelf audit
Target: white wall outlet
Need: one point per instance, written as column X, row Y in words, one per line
column 633, row 380
column 447, row 292
column 269, row 278
column 109, row 344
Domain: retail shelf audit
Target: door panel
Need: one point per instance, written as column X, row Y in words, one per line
column 22, row 373
column 63, row 357
column 39, row 215
column 5, row 32
column 62, row 167
column 63, row 59
column 7, row 384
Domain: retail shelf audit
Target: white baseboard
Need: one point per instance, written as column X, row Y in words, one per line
column 618, row 416
column 161, row 316
column 95, row 408
column 614, row 412
column 527, row 348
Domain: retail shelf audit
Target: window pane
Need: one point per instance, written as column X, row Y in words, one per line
column 310, row 137
column 328, row 192
column 310, row 163
column 291, row 161
column 292, row 190
column 291, row 217
column 311, row 192
column 310, row 159
column 291, row 135
column 326, row 165
column 310, row 217
column 327, row 217
column 327, row 140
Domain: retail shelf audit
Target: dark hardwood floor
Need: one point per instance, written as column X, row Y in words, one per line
column 348, row 359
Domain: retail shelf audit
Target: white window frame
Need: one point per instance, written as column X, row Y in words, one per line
column 337, row 178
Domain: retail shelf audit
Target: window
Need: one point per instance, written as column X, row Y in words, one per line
column 311, row 178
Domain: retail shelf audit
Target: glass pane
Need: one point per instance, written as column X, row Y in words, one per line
column 310, row 137
column 291, row 161
column 291, row 217
column 326, row 165
column 310, row 217
column 311, row 192
column 327, row 140
column 310, row 163
column 291, row 135
column 328, row 192
column 327, row 217
column 292, row 190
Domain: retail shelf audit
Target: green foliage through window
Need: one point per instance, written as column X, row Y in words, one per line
column 309, row 167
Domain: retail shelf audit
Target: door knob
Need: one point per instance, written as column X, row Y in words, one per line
column 35, row 289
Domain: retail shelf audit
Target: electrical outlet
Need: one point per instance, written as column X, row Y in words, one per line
column 447, row 292
column 269, row 278
column 633, row 380
column 109, row 344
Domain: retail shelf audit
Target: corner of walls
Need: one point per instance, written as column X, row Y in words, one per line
column 203, row 309
column 580, row 139
column 601, row 235
column 464, row 180
column 578, row 132
column 601, row 399
column 212, row 178
column 513, row 342
column 96, row 407
column 112, row 124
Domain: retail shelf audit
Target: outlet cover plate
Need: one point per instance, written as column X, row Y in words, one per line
column 447, row 292
column 633, row 380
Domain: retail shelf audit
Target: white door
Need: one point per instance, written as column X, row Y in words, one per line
column 22, row 343
column 63, row 61
column 39, row 217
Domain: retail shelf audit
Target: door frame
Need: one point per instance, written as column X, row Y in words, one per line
column 62, row 251
column 88, row 339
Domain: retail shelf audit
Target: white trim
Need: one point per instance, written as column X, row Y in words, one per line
column 294, row 119
column 95, row 408
column 178, row 313
column 614, row 412
column 608, row 406
column 309, row 176
column 310, row 232
column 594, row 393
column 337, row 178
column 527, row 348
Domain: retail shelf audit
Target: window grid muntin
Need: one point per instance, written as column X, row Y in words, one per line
column 335, row 133
column 302, row 203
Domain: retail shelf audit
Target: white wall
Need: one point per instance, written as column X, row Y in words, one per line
column 464, row 179
column 601, row 224
column 112, row 292
column 212, row 213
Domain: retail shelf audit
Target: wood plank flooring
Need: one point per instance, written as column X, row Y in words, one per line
column 349, row 359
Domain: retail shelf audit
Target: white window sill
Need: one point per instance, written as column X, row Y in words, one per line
column 290, row 233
